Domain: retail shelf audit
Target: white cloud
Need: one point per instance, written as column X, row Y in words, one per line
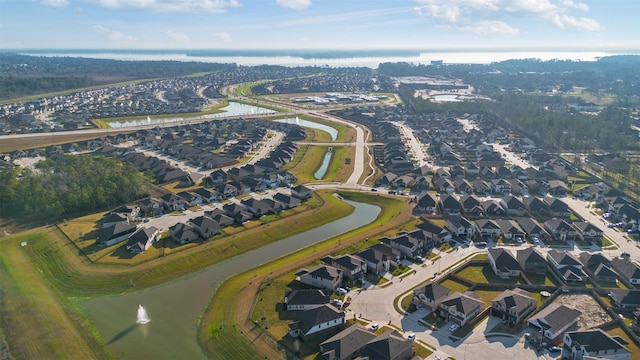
column 177, row 36
column 55, row 3
column 294, row 4
column 192, row 6
column 564, row 21
column 224, row 36
column 491, row 28
column 113, row 34
column 486, row 17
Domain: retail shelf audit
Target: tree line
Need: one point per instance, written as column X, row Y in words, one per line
column 71, row 184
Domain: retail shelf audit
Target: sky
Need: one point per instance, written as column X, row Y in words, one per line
column 320, row 24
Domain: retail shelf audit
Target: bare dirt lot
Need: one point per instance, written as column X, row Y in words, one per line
column 593, row 314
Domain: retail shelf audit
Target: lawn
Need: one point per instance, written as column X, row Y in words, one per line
column 487, row 296
column 484, row 274
column 455, row 285
column 546, row 279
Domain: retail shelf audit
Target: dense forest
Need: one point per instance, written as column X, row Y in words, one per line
column 610, row 130
column 69, row 185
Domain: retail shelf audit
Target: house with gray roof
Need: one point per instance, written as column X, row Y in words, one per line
column 379, row 257
column 183, row 233
column 531, row 261
column 588, row 232
column 430, row 295
column 347, row 344
column 142, row 239
column 598, row 267
column 627, row 269
column 566, row 265
column 554, row 320
column 461, row 227
column 460, row 308
column 205, row 226
column 628, row 299
column 321, row 276
column 390, row 345
column 488, row 228
column 593, row 344
column 305, row 299
column 313, row 323
column 352, row 267
column 115, row 233
column 513, row 305
column 503, row 263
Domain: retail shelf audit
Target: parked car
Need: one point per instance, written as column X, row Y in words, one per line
column 453, row 327
column 625, row 255
column 420, row 258
column 554, row 349
column 374, row 327
column 411, row 336
column 341, row 291
column 481, row 244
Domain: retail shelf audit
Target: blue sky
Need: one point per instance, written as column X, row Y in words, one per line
column 322, row 24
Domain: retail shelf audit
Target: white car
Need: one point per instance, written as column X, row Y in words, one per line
column 374, row 327
column 341, row 291
column 453, row 327
column 411, row 336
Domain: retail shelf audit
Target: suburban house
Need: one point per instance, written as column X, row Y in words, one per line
column 450, row 205
column 503, row 263
column 379, row 257
column 560, row 229
column 301, row 192
column 321, row 276
column 513, row 205
column 142, row 239
column 598, row 267
column 356, row 342
column 461, row 227
column 493, row 208
column 488, row 228
column 407, row 245
column 627, row 269
column 205, row 226
column 115, row 233
column 588, row 232
column 554, row 320
column 628, row 299
column 347, row 344
column 183, row 233
column 352, row 267
column 531, row 261
column 305, row 299
column 471, row 205
column 513, row 305
column 388, row 345
column 557, row 207
column 593, row 344
column 565, row 265
column 426, row 204
column 173, row 202
column 113, row 218
column 510, row 229
column 460, row 308
column 151, row 207
column 532, row 228
column 314, row 322
column 430, row 295
column 536, row 207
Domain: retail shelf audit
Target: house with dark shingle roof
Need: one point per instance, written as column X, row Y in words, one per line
column 461, row 227
column 560, row 229
column 315, row 322
column 532, row 228
column 566, row 265
column 513, row 305
column 593, row 344
column 426, row 204
column 379, row 257
column 510, row 229
column 554, row 320
column 321, row 276
column 115, row 233
column 352, row 267
column 183, row 233
column 347, row 344
column 513, row 205
column 430, row 295
column 142, row 239
column 488, row 228
column 460, row 308
column 557, row 207
column 389, row 345
column 598, row 267
column 531, row 261
column 588, row 232
column 627, row 269
column 628, row 299
column 305, row 299
column 205, row 226
column 503, row 263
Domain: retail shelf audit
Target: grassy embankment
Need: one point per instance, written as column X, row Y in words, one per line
column 226, row 328
column 39, row 279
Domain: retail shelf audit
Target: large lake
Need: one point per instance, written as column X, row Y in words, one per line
column 174, row 308
column 233, row 109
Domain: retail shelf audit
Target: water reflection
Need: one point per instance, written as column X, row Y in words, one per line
column 310, row 124
column 322, row 171
column 233, row 109
column 176, row 306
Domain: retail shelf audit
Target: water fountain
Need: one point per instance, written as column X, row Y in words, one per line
column 143, row 317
